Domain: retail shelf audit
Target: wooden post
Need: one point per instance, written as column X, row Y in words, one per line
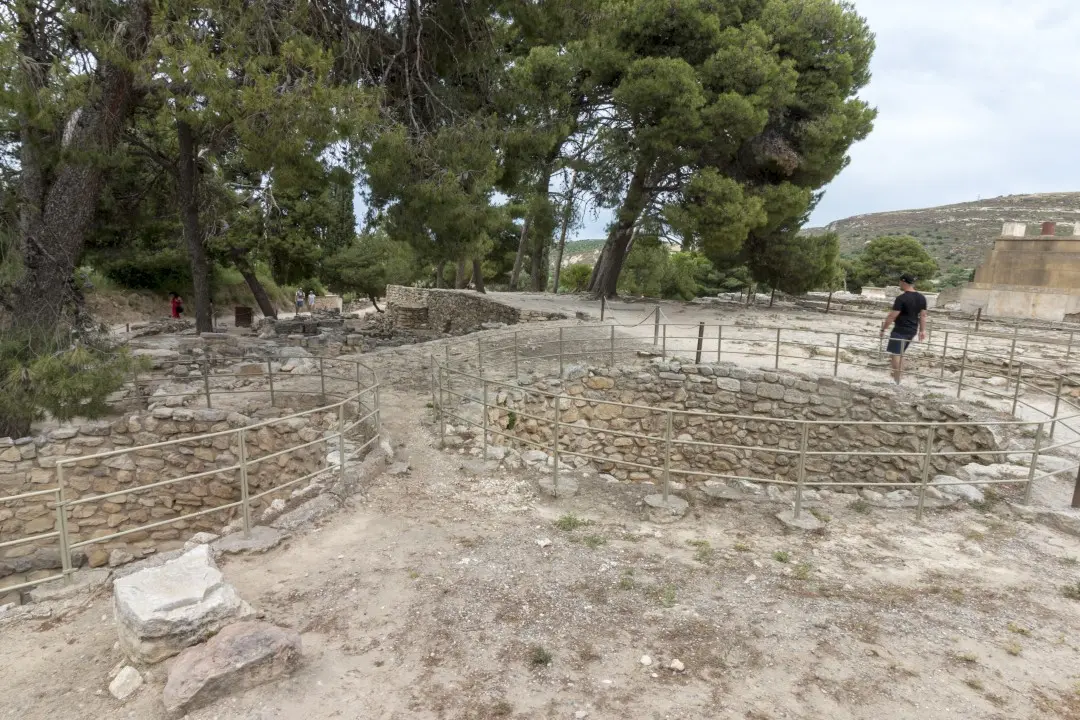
column 700, row 340
column 270, row 374
column 603, row 307
column 1076, row 491
column 656, row 325
column 978, row 317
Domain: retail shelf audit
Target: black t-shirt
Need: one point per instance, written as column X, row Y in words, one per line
column 909, row 305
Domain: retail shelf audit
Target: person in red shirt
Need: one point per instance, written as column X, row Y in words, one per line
column 176, row 305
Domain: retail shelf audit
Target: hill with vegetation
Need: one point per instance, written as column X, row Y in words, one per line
column 959, row 235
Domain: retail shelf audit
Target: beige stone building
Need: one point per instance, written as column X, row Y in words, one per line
column 1025, row 276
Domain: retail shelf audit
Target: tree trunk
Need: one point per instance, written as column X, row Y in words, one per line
column 188, row 188
column 478, row 275
column 240, row 260
column 605, row 277
column 772, row 298
column 375, row 304
column 515, row 275
column 568, row 212
column 440, row 274
column 460, row 281
column 55, row 216
column 828, row 303
column 538, row 273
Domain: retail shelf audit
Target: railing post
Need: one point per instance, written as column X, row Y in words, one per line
column 700, row 340
column 270, row 374
column 663, row 346
column 656, row 325
column 804, row 441
column 667, row 457
column 560, row 352
column 612, row 363
column 1076, row 491
column 944, row 350
column 442, row 411
column 135, row 380
column 719, row 342
column 480, row 355
column 322, row 380
column 341, row 440
column 448, row 381
column 1034, row 462
column 603, row 306
column 245, row 505
column 485, row 411
column 1068, row 350
column 776, row 364
column 360, row 384
column 206, row 380
column 978, row 317
column 836, row 358
column 925, row 471
column 61, row 525
column 378, row 406
column 963, row 366
column 1016, row 394
column 555, row 450
column 515, row 355
column 1057, row 403
column 1012, row 355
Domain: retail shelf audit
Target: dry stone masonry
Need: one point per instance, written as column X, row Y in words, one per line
column 758, row 406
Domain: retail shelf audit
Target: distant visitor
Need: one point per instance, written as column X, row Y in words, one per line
column 311, row 300
column 176, row 305
column 299, row 300
column 908, row 318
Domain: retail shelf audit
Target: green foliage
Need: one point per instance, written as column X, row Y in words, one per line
column 955, row 277
column 885, row 259
column 371, row 263
column 575, row 278
column 652, row 270
column 164, row 271
column 796, row 263
column 44, row 377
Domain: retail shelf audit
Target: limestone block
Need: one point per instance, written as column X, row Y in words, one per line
column 162, row 610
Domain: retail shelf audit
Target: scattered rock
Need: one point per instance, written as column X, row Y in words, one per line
column 126, row 682
column 273, row 511
column 311, row 511
column 162, row 610
column 871, row 495
column 674, row 505
column 203, row 538
column 568, row 485
column 120, row 557
column 398, row 469
column 97, row 558
column 952, row 486
column 721, row 491
column 496, row 452
column 241, row 656
column 262, row 539
column 677, row 665
column 646, row 660
column 805, row 521
column 82, row 581
column 534, row 457
column 544, row 542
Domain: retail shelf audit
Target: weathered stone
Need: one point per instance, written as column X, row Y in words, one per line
column 262, row 539
column 82, row 582
column 241, row 656
column 673, row 505
column 805, row 521
column 126, row 682
column 599, row 383
column 311, row 511
column 952, row 486
column 160, row 611
column 120, row 557
column 204, row 538
column 568, row 485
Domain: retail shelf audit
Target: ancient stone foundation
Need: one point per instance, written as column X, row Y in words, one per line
column 757, row 439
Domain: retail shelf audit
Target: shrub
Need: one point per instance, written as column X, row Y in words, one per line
column 575, row 278
column 163, row 271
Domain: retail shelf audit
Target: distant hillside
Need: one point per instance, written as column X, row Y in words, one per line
column 960, row 235
column 582, row 251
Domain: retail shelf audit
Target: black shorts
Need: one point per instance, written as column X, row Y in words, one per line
column 899, row 342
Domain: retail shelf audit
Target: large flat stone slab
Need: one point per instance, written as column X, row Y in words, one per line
column 241, row 656
column 262, row 539
column 160, row 611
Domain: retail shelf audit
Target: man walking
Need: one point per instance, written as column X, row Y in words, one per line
column 908, row 317
column 299, row 300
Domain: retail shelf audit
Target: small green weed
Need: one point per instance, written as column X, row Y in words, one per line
column 1013, row 648
column 511, row 420
column 413, row 574
column 860, row 506
column 781, row 556
column 626, row 582
column 991, row 497
column 802, row 571
column 820, row 514
column 502, row 709
column 540, row 655
column 1071, row 591
column 705, row 553
column 967, row 658
column 594, row 541
column 668, row 596
column 1070, row 560
column 570, row 522
column 974, row 684
column 741, row 546
column 1018, row 629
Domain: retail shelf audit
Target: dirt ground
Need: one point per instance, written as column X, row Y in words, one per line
column 431, row 597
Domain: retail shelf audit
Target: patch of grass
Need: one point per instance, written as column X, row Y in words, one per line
column 802, row 571
column 991, row 497
column 511, row 420
column 966, row 658
column 860, row 506
column 781, row 556
column 820, row 514
column 974, row 684
column 741, row 546
column 1013, row 648
column 1070, row 560
column 626, row 583
column 501, row 709
column 667, row 595
column 570, row 521
column 588, row 654
column 540, row 655
column 1018, row 629
column 973, row 535
column 413, row 574
column 594, row 541
column 1071, row 591
column 705, row 553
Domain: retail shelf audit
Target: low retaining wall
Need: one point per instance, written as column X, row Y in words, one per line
column 773, row 396
column 448, row 311
column 30, row 464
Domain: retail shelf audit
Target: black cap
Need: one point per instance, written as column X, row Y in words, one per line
column 908, row 278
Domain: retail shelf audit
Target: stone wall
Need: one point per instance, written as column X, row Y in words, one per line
column 454, row 312
column 29, row 464
column 731, row 390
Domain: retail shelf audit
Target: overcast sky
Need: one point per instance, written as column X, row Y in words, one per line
column 974, row 97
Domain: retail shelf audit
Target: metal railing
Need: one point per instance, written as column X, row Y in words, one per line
column 469, row 371
column 354, row 410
